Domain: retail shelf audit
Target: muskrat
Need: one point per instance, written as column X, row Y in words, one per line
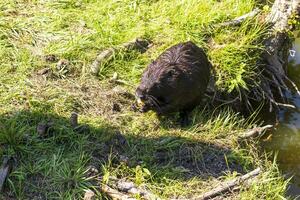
column 175, row 81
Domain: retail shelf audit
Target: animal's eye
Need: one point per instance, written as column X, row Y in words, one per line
column 171, row 73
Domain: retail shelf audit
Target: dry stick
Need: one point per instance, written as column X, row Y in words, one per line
column 255, row 132
column 229, row 185
column 115, row 194
column 130, row 188
column 108, row 53
column 239, row 20
column 103, row 56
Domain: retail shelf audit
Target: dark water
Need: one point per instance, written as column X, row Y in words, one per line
column 285, row 140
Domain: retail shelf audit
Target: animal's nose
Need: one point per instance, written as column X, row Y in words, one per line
column 141, row 96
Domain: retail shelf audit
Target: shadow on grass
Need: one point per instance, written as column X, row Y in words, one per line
column 55, row 163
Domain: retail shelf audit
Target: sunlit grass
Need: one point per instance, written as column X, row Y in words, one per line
column 171, row 161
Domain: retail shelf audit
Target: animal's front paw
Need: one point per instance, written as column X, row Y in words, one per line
column 184, row 119
column 136, row 108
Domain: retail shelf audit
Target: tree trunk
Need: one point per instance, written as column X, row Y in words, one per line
column 274, row 79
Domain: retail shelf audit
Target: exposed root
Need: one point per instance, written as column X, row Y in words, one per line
column 293, row 84
column 273, row 78
column 282, row 104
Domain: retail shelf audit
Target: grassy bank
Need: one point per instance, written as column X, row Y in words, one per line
column 169, row 160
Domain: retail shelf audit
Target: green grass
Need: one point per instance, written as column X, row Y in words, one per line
column 171, row 161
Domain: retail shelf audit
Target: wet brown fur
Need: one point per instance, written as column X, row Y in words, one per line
column 176, row 80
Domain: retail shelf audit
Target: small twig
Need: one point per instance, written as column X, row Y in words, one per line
column 115, row 194
column 239, row 20
column 229, row 185
column 255, row 132
column 222, row 100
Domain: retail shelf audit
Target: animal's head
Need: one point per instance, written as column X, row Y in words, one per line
column 158, row 84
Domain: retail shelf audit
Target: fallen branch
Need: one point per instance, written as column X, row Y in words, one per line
column 229, row 185
column 139, row 44
column 237, row 21
column 115, row 194
column 122, row 189
column 5, row 169
column 130, row 188
column 255, row 132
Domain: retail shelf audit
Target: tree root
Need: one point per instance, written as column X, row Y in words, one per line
column 274, row 78
column 273, row 83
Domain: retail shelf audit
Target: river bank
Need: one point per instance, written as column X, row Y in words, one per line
column 284, row 140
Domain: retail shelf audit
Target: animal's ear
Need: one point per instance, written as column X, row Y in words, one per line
column 171, row 72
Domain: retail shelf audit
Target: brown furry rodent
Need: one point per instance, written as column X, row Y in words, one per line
column 175, row 81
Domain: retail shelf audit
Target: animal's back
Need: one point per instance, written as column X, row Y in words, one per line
column 179, row 76
column 194, row 69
